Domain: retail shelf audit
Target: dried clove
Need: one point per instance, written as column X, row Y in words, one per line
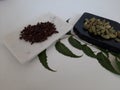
column 38, row 33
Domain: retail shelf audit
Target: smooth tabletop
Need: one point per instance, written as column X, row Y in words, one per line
column 83, row 73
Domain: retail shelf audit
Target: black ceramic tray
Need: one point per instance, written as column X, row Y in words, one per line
column 111, row 45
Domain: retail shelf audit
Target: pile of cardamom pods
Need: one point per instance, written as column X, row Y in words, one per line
column 101, row 28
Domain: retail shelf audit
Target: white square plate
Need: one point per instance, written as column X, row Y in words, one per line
column 23, row 50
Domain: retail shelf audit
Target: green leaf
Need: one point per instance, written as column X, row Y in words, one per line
column 105, row 62
column 75, row 43
column 61, row 48
column 68, row 33
column 68, row 20
column 88, row 51
column 115, row 54
column 43, row 59
column 106, row 52
column 117, row 63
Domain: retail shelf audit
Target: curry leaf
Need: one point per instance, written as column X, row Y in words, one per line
column 115, row 54
column 117, row 63
column 68, row 20
column 75, row 43
column 105, row 62
column 43, row 59
column 68, row 33
column 88, row 51
column 105, row 51
column 61, row 48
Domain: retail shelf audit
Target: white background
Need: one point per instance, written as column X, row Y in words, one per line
column 72, row 74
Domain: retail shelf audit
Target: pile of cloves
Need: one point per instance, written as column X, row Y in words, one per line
column 38, row 33
column 101, row 28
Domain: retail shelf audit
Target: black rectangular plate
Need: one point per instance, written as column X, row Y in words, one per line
column 111, row 44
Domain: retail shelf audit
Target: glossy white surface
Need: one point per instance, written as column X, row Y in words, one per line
column 72, row 74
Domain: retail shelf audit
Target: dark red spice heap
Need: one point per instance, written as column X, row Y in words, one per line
column 38, row 33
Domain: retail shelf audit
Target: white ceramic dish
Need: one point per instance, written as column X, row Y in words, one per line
column 23, row 50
